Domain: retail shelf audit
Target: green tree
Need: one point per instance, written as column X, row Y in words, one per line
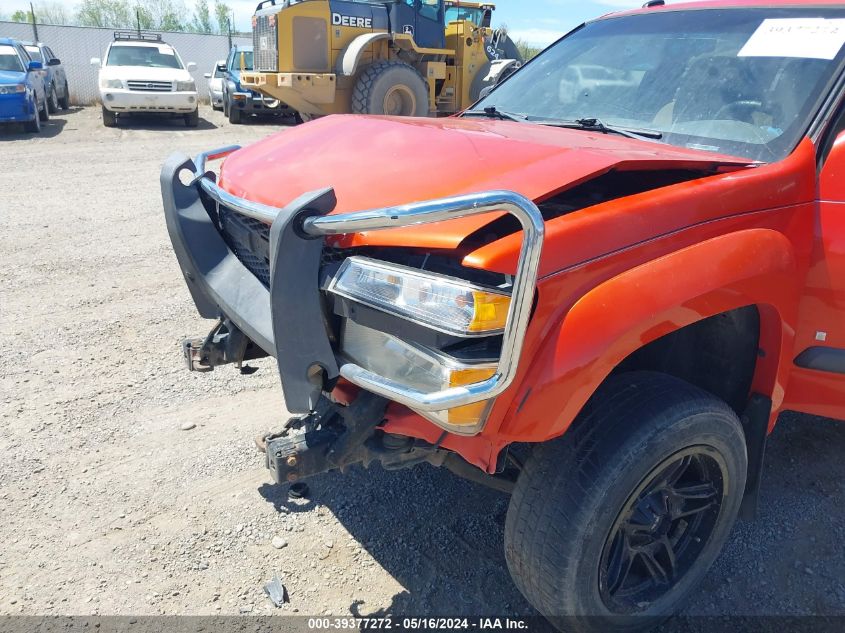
column 222, row 13
column 107, row 13
column 527, row 50
column 22, row 16
column 51, row 13
column 202, row 17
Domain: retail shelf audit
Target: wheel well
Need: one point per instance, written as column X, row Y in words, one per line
column 718, row 354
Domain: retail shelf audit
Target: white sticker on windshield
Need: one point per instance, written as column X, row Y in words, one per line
column 808, row 38
column 166, row 50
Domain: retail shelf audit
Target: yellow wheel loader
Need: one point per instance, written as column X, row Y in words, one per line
column 396, row 57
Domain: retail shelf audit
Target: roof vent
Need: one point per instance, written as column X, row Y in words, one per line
column 654, row 3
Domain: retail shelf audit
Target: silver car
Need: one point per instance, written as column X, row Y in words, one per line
column 215, row 84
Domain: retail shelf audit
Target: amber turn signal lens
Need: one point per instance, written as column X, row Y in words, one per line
column 471, row 414
column 491, row 312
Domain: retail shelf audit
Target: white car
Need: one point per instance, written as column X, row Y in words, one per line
column 142, row 74
column 215, row 84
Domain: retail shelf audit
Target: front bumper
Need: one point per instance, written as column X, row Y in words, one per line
column 16, row 108
column 286, row 319
column 309, row 93
column 254, row 103
column 155, row 102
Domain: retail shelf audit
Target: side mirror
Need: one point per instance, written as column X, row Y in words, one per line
column 95, row 61
column 34, row 65
column 207, row 75
column 221, row 68
column 192, row 66
column 55, row 62
column 832, row 179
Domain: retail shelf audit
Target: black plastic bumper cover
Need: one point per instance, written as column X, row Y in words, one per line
column 286, row 321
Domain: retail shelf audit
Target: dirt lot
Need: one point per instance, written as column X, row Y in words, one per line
column 109, row 507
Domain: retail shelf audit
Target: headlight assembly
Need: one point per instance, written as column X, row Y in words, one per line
column 111, row 84
column 436, row 301
column 186, row 86
column 421, row 369
column 10, row 90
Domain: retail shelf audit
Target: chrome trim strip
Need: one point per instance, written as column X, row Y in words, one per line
column 522, row 301
column 254, row 210
column 525, row 280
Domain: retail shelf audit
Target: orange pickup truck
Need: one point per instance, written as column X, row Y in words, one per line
column 596, row 289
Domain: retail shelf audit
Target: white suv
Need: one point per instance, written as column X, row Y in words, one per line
column 142, row 74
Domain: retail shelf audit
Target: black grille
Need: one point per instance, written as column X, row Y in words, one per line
column 249, row 240
column 265, row 42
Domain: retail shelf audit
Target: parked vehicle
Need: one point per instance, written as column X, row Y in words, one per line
column 603, row 309
column 55, row 78
column 394, row 57
column 215, row 84
column 141, row 73
column 23, row 98
column 239, row 101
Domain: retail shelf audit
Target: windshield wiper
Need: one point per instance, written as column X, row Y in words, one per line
column 492, row 112
column 597, row 125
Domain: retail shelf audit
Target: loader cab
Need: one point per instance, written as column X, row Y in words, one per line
column 481, row 16
column 424, row 20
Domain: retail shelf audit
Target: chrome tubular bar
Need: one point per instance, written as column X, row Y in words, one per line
column 522, row 298
column 254, row 210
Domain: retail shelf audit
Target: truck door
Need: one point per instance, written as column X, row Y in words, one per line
column 817, row 384
column 423, row 19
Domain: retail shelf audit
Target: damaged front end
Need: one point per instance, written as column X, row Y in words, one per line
column 442, row 346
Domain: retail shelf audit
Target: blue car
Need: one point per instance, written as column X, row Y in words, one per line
column 23, row 95
column 238, row 101
column 58, row 93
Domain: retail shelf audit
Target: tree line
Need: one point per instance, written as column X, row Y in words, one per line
column 153, row 15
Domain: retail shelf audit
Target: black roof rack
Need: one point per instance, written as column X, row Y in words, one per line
column 137, row 36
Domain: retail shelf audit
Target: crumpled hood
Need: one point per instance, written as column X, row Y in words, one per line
column 375, row 162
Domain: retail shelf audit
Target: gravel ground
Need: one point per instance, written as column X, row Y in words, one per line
column 110, row 507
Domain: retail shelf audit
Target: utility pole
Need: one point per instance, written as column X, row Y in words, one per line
column 229, row 30
column 138, row 20
column 34, row 25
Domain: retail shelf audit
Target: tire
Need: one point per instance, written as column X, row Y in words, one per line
column 45, row 110
column 390, row 88
column 579, row 496
column 192, row 119
column 53, row 101
column 235, row 115
column 64, row 102
column 109, row 118
column 33, row 126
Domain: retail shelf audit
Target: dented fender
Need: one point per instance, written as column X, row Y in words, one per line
column 622, row 314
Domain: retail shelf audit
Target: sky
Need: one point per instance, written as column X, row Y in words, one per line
column 538, row 22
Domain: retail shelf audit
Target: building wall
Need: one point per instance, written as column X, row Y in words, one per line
column 76, row 45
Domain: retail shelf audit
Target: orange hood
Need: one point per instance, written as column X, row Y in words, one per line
column 375, row 162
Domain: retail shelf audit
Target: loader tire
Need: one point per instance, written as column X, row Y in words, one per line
column 611, row 527
column 390, row 87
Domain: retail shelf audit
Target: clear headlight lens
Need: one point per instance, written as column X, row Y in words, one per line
column 10, row 90
column 421, row 369
column 441, row 303
column 186, row 86
column 111, row 84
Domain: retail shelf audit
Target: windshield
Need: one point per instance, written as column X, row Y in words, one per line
column 457, row 14
column 34, row 53
column 236, row 60
column 9, row 59
column 161, row 56
column 743, row 82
